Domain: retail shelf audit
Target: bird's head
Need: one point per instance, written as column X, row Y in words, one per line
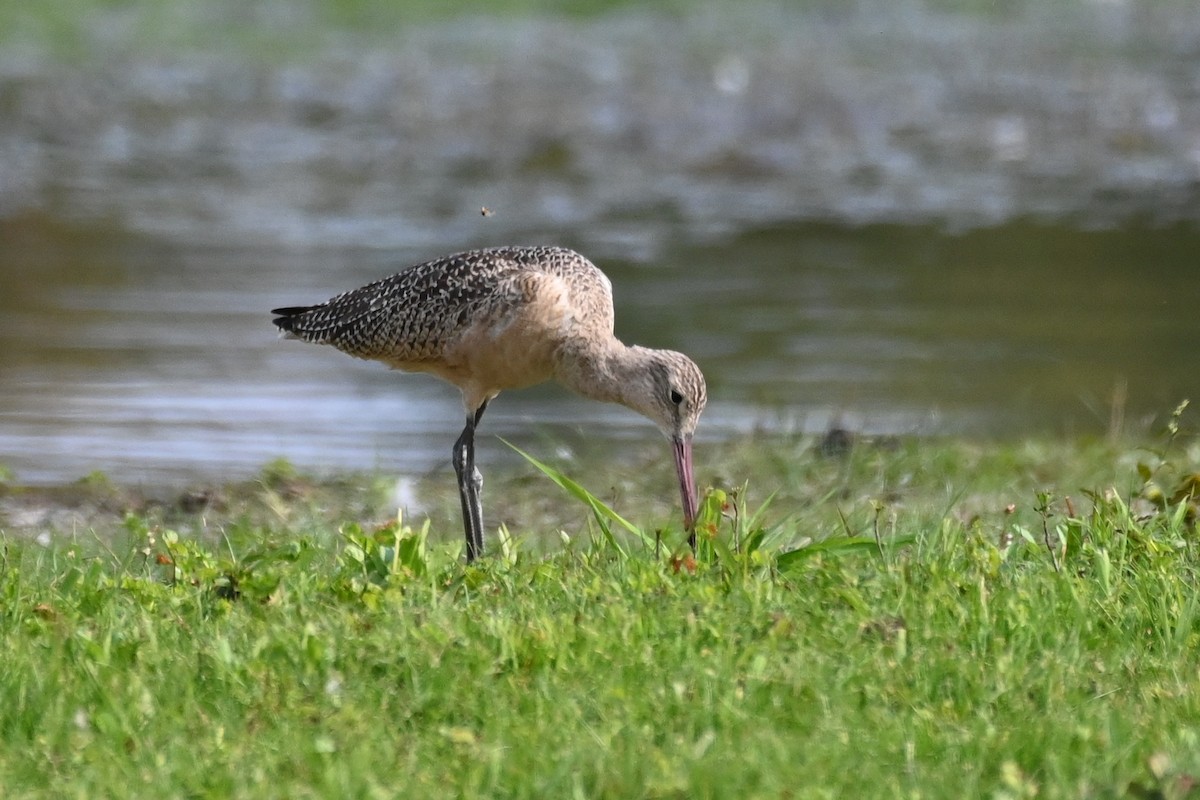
column 672, row 394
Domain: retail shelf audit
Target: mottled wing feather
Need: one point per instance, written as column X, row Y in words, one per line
column 413, row 315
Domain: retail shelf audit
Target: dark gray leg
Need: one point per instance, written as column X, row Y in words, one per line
column 470, row 484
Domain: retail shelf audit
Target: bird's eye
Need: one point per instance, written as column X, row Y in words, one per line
column 676, row 397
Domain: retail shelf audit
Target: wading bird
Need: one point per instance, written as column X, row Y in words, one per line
column 506, row 318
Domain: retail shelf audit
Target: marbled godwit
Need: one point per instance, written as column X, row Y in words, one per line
column 506, row 318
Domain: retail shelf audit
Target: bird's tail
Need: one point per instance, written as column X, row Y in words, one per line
column 287, row 318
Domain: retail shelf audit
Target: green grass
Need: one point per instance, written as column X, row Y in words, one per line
column 79, row 30
column 905, row 619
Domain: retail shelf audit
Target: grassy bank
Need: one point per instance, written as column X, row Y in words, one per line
column 79, row 29
column 903, row 618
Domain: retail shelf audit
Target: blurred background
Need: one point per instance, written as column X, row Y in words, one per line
column 973, row 217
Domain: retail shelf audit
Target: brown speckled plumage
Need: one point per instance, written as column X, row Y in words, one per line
column 412, row 316
column 504, row 318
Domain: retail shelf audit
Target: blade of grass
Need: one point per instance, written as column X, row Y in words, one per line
column 840, row 545
column 603, row 513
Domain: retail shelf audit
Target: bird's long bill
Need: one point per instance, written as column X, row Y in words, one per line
column 687, row 482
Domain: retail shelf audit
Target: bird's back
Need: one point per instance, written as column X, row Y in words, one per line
column 416, row 316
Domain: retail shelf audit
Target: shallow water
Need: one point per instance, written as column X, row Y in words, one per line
column 166, row 368
column 891, row 218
